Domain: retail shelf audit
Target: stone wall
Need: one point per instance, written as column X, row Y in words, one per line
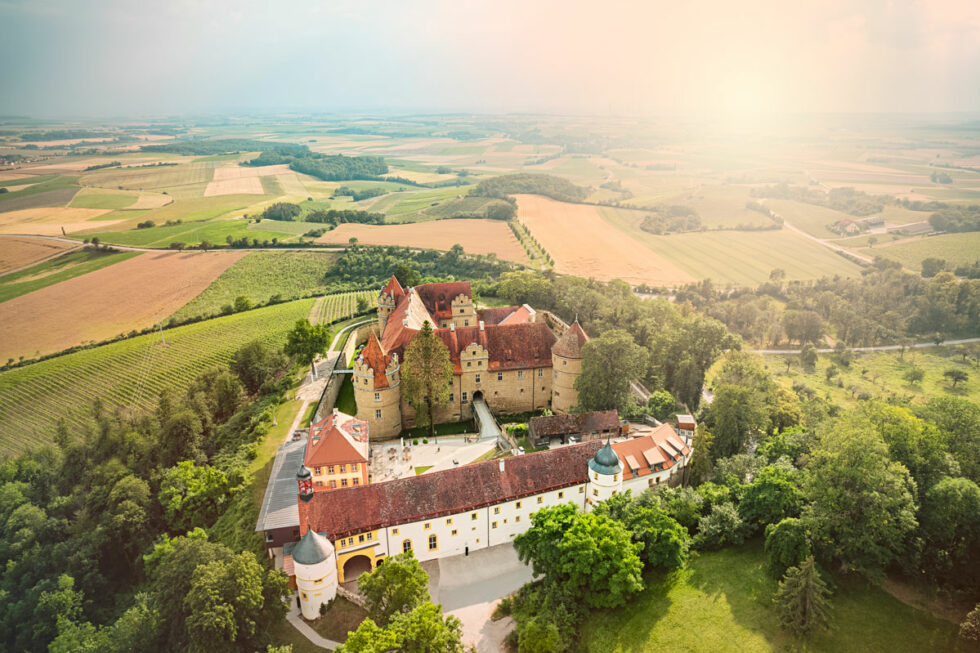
column 355, row 337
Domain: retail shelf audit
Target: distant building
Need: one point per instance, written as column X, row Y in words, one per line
column 576, row 427
column 337, row 451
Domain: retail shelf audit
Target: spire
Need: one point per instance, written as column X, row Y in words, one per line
column 570, row 345
column 305, row 481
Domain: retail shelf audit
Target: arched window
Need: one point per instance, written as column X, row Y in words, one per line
column 433, row 542
column 406, row 546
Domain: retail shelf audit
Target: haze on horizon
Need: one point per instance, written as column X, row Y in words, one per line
column 84, row 58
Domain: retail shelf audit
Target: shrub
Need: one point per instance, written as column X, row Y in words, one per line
column 415, row 441
column 721, row 527
column 787, row 545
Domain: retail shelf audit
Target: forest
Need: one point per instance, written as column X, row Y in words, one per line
column 210, row 147
column 556, row 188
column 328, row 167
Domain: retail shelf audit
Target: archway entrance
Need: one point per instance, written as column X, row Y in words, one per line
column 478, row 395
column 356, row 566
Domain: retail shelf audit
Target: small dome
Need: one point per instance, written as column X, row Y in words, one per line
column 303, row 473
column 312, row 549
column 605, row 461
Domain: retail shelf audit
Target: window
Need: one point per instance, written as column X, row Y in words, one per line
column 479, row 363
column 540, row 499
column 316, row 470
column 466, row 322
column 454, row 532
column 450, row 396
column 581, row 489
column 357, row 481
column 428, row 525
column 473, row 516
column 595, row 476
column 518, row 505
column 370, row 536
column 505, row 520
column 330, row 469
column 517, row 519
column 377, row 396
column 319, row 483
column 460, row 311
column 304, row 595
column 449, row 522
column 394, row 531
column 433, row 542
column 500, row 376
column 496, row 510
column 377, row 414
column 615, row 477
column 561, row 495
column 333, row 484
column 540, row 373
column 343, row 482
column 343, row 468
column 595, row 493
column 556, row 374
column 493, row 525
column 469, row 363
column 520, row 374
column 564, row 363
column 464, row 397
column 360, row 538
column 406, row 546
column 477, row 378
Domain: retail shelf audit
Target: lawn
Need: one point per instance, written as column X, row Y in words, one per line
column 342, row 617
column 722, row 602
column 345, row 398
column 48, row 273
column 881, row 374
column 955, row 249
column 260, row 275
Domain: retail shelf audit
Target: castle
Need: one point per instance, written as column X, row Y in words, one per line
column 510, row 357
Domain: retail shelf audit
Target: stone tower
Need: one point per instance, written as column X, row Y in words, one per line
column 605, row 475
column 387, row 301
column 566, row 362
column 377, row 377
column 315, row 565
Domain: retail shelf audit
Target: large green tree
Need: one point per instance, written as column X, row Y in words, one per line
column 665, row 542
column 427, row 375
column 787, row 545
column 192, row 495
column 861, row 504
column 803, row 599
column 396, row 587
column 609, row 364
column 307, row 341
column 950, row 529
column 255, row 364
column 421, row 630
column 772, row 496
column 958, row 420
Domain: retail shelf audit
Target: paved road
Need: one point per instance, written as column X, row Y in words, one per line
column 919, row 345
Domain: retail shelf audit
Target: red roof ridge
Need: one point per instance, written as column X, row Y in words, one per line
column 571, row 343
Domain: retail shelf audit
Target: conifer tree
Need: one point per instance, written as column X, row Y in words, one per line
column 802, row 599
column 426, row 375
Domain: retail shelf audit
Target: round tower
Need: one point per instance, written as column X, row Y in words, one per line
column 566, row 362
column 377, row 378
column 315, row 564
column 387, row 301
column 605, row 475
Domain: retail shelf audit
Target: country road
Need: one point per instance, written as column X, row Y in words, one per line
column 919, row 345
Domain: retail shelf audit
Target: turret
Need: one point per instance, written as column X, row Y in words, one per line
column 387, row 301
column 376, row 378
column 315, row 565
column 605, row 475
column 304, row 480
column 566, row 362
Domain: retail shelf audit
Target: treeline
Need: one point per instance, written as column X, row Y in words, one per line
column 287, row 211
column 328, row 167
column 358, row 195
column 373, row 266
column 92, row 529
column 846, row 200
column 677, row 346
column 100, row 166
column 66, row 134
column 956, row 218
column 551, row 186
column 201, row 147
column 884, row 305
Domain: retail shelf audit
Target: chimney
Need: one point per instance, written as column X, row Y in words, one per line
column 452, row 326
column 481, row 325
column 501, row 466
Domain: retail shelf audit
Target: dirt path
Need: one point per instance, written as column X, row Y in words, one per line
column 315, row 311
column 937, row 607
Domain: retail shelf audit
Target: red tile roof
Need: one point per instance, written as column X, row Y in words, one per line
column 510, row 347
column 377, row 360
column 394, row 289
column 521, row 315
column 557, row 425
column 438, row 297
column 495, row 315
column 570, row 345
column 327, row 444
column 347, row 511
column 663, row 447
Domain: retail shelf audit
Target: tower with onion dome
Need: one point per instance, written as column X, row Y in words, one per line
column 605, row 475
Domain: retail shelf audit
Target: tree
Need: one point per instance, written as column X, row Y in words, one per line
column 932, row 266
column 665, row 542
column 192, row 495
column 808, row 356
column 771, row 497
column 407, row 275
column 427, row 375
column 700, row 465
column 683, row 504
column 958, row 420
column 787, row 545
column 956, row 376
column 539, row 634
column 231, row 603
column 306, row 342
column 609, row 364
column 913, row 442
column 362, row 305
column 242, row 303
column 803, row 326
column 589, row 557
column 255, row 364
column 738, row 414
column 970, row 628
column 861, row 507
column 422, row 630
column 181, row 438
column 721, row 527
column 802, row 599
column 914, row 375
column 661, row 404
column 396, row 587
column 950, row 529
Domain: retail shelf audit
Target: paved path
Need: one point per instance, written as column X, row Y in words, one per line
column 293, row 617
column 485, row 421
column 825, row 350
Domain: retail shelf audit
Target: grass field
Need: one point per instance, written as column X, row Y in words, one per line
column 99, row 199
column 48, row 273
column 881, row 374
column 170, row 178
column 127, row 375
column 411, row 205
column 189, row 233
column 955, row 249
column 17, row 198
column 737, row 257
column 723, row 602
column 808, row 217
column 259, row 276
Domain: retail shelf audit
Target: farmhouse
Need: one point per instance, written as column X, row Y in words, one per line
column 352, row 530
column 510, row 358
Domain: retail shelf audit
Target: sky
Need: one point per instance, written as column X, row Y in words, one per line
column 753, row 58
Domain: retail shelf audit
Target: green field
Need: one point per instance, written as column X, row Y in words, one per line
column 342, row 305
column 409, row 206
column 810, row 218
column 168, row 178
column 190, row 233
column 50, row 183
column 127, row 375
column 881, row 374
column 92, row 199
column 9, row 183
column 956, row 249
column 723, row 602
column 56, row 270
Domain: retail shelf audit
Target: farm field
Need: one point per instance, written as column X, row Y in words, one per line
column 582, row 243
column 476, row 236
column 53, row 271
column 413, row 205
column 49, row 221
column 340, row 306
column 189, row 233
column 91, row 198
column 101, row 305
column 808, row 217
column 736, row 257
column 881, row 375
column 229, row 180
column 261, row 275
column 723, row 602
column 955, row 249
column 17, row 252
column 128, row 375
